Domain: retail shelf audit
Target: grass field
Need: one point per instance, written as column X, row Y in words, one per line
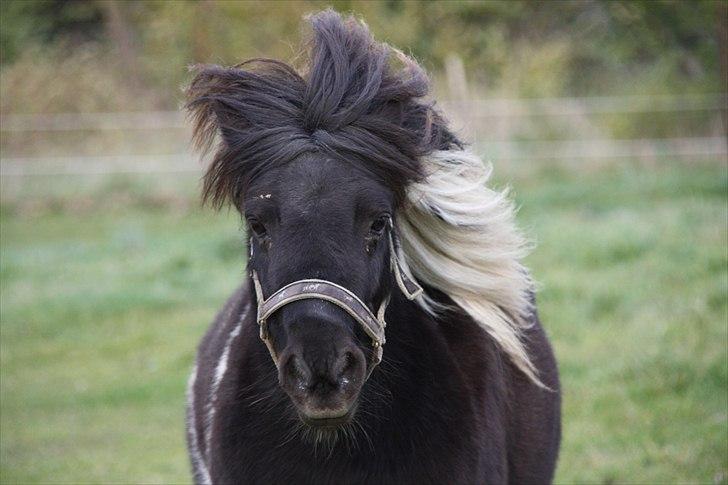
column 104, row 300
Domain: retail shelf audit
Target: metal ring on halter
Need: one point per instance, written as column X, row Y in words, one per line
column 325, row 290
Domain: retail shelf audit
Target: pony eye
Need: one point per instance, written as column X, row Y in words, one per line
column 257, row 228
column 379, row 225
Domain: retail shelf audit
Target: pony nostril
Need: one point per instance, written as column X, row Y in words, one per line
column 347, row 368
column 349, row 363
column 296, row 372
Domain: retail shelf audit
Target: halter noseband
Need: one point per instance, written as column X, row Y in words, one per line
column 325, row 290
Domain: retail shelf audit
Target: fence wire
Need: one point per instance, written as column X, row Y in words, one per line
column 494, row 125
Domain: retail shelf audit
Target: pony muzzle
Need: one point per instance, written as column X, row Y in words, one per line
column 373, row 325
column 323, row 377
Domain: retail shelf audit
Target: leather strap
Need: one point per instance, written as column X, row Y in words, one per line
column 409, row 287
column 325, row 290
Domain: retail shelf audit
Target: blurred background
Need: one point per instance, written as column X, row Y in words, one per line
column 608, row 120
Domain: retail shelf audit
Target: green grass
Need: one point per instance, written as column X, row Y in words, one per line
column 103, row 304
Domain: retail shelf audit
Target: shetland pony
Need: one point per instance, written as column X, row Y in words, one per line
column 355, row 194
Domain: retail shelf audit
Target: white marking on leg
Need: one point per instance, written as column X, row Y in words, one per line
column 220, row 370
column 197, row 462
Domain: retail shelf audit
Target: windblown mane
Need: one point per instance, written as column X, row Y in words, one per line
column 459, row 236
column 361, row 102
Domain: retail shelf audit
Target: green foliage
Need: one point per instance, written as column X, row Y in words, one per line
column 63, row 78
column 515, row 47
column 25, row 23
column 104, row 302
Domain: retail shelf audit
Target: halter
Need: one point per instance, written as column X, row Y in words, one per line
column 345, row 299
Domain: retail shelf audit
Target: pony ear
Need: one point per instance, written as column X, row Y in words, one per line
column 416, row 114
column 435, row 132
column 241, row 107
column 208, row 98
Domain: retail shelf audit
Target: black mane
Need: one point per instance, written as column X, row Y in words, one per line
column 355, row 100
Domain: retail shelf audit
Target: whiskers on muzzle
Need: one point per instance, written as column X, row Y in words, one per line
column 352, row 437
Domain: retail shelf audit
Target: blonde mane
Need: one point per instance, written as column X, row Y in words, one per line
column 459, row 236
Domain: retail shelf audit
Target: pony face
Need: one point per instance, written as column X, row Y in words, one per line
column 320, row 218
column 322, row 160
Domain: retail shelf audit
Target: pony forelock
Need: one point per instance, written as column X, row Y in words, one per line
column 459, row 236
column 353, row 99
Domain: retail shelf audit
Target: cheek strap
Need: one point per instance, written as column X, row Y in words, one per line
column 342, row 297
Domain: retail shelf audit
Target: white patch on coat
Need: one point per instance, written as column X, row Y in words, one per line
column 220, row 370
column 198, row 463
column 459, row 236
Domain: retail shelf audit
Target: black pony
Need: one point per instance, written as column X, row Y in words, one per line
column 355, row 192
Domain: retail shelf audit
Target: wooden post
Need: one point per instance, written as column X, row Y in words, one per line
column 722, row 31
column 120, row 32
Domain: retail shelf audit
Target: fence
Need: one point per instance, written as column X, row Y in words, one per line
column 502, row 129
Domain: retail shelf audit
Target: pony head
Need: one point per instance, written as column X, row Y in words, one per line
column 333, row 167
